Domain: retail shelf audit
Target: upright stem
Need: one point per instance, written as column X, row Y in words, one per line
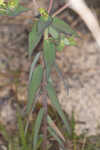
column 45, row 103
column 35, row 4
column 46, row 34
column 44, row 129
column 35, row 7
column 50, row 6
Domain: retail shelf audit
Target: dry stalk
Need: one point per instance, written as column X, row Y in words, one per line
column 80, row 7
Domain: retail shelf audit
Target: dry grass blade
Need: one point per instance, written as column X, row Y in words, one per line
column 53, row 125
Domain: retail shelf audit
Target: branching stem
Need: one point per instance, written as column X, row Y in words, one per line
column 45, row 106
column 35, row 4
column 61, row 9
column 50, row 6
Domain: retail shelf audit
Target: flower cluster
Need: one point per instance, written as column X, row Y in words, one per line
column 2, row 3
column 11, row 4
column 43, row 13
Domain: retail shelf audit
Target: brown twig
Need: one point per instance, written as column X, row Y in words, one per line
column 35, row 4
column 36, row 7
column 61, row 9
column 50, row 6
column 88, row 17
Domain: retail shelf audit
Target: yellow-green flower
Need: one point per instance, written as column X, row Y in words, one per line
column 2, row 3
column 62, row 42
column 12, row 4
column 72, row 41
column 43, row 13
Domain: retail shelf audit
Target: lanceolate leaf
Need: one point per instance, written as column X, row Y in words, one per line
column 34, row 38
column 53, row 32
column 39, row 142
column 37, row 128
column 33, row 65
column 21, row 132
column 34, row 85
column 55, row 103
column 57, row 138
column 17, row 11
column 63, row 27
column 49, row 53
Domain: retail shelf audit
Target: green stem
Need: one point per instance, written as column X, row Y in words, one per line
column 46, row 34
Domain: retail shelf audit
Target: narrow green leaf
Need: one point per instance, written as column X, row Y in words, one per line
column 34, row 38
column 73, row 125
column 57, row 138
column 34, row 85
column 4, row 133
column 49, row 53
column 21, row 132
column 33, row 65
column 39, row 142
column 37, row 128
column 53, row 32
column 16, row 11
column 55, row 103
column 63, row 27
